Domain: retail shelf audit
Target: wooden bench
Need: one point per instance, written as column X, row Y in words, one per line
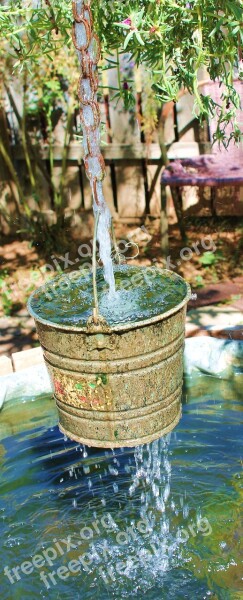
column 222, row 168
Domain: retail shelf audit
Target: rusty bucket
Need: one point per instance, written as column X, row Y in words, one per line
column 116, row 386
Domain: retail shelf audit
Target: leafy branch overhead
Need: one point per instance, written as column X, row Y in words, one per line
column 174, row 39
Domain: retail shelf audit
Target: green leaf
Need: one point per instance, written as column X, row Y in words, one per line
column 138, row 36
column 128, row 38
column 208, row 259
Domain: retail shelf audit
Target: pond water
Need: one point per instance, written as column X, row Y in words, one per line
column 141, row 293
column 158, row 522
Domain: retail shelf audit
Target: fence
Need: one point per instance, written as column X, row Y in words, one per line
column 132, row 185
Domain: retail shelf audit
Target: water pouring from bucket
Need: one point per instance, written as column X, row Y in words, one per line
column 116, row 372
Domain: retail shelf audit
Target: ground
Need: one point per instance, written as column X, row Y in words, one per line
column 209, row 260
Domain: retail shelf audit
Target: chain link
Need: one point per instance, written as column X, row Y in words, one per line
column 87, row 45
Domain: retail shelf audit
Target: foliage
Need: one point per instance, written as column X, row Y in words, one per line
column 5, row 294
column 208, row 259
column 177, row 39
column 173, row 38
column 198, row 281
column 211, row 258
column 45, row 86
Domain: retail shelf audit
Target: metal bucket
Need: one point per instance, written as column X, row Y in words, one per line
column 121, row 387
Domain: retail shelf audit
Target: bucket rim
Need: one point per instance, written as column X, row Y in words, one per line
column 113, row 328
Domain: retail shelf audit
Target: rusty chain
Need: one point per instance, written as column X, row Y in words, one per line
column 87, row 45
column 88, row 49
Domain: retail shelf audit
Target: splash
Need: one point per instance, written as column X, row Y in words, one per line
column 144, row 539
column 152, row 485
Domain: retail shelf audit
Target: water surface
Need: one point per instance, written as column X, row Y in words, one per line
column 162, row 522
column 141, row 293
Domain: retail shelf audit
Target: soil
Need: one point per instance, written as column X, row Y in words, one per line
column 209, row 257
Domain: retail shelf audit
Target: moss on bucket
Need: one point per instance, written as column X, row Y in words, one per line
column 120, row 386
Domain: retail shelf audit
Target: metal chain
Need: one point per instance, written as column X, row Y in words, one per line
column 87, row 45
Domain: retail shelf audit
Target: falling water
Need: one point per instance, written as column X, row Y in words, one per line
column 152, row 484
column 103, row 237
column 153, row 473
column 142, row 534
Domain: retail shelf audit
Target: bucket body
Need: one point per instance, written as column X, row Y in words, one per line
column 121, row 387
